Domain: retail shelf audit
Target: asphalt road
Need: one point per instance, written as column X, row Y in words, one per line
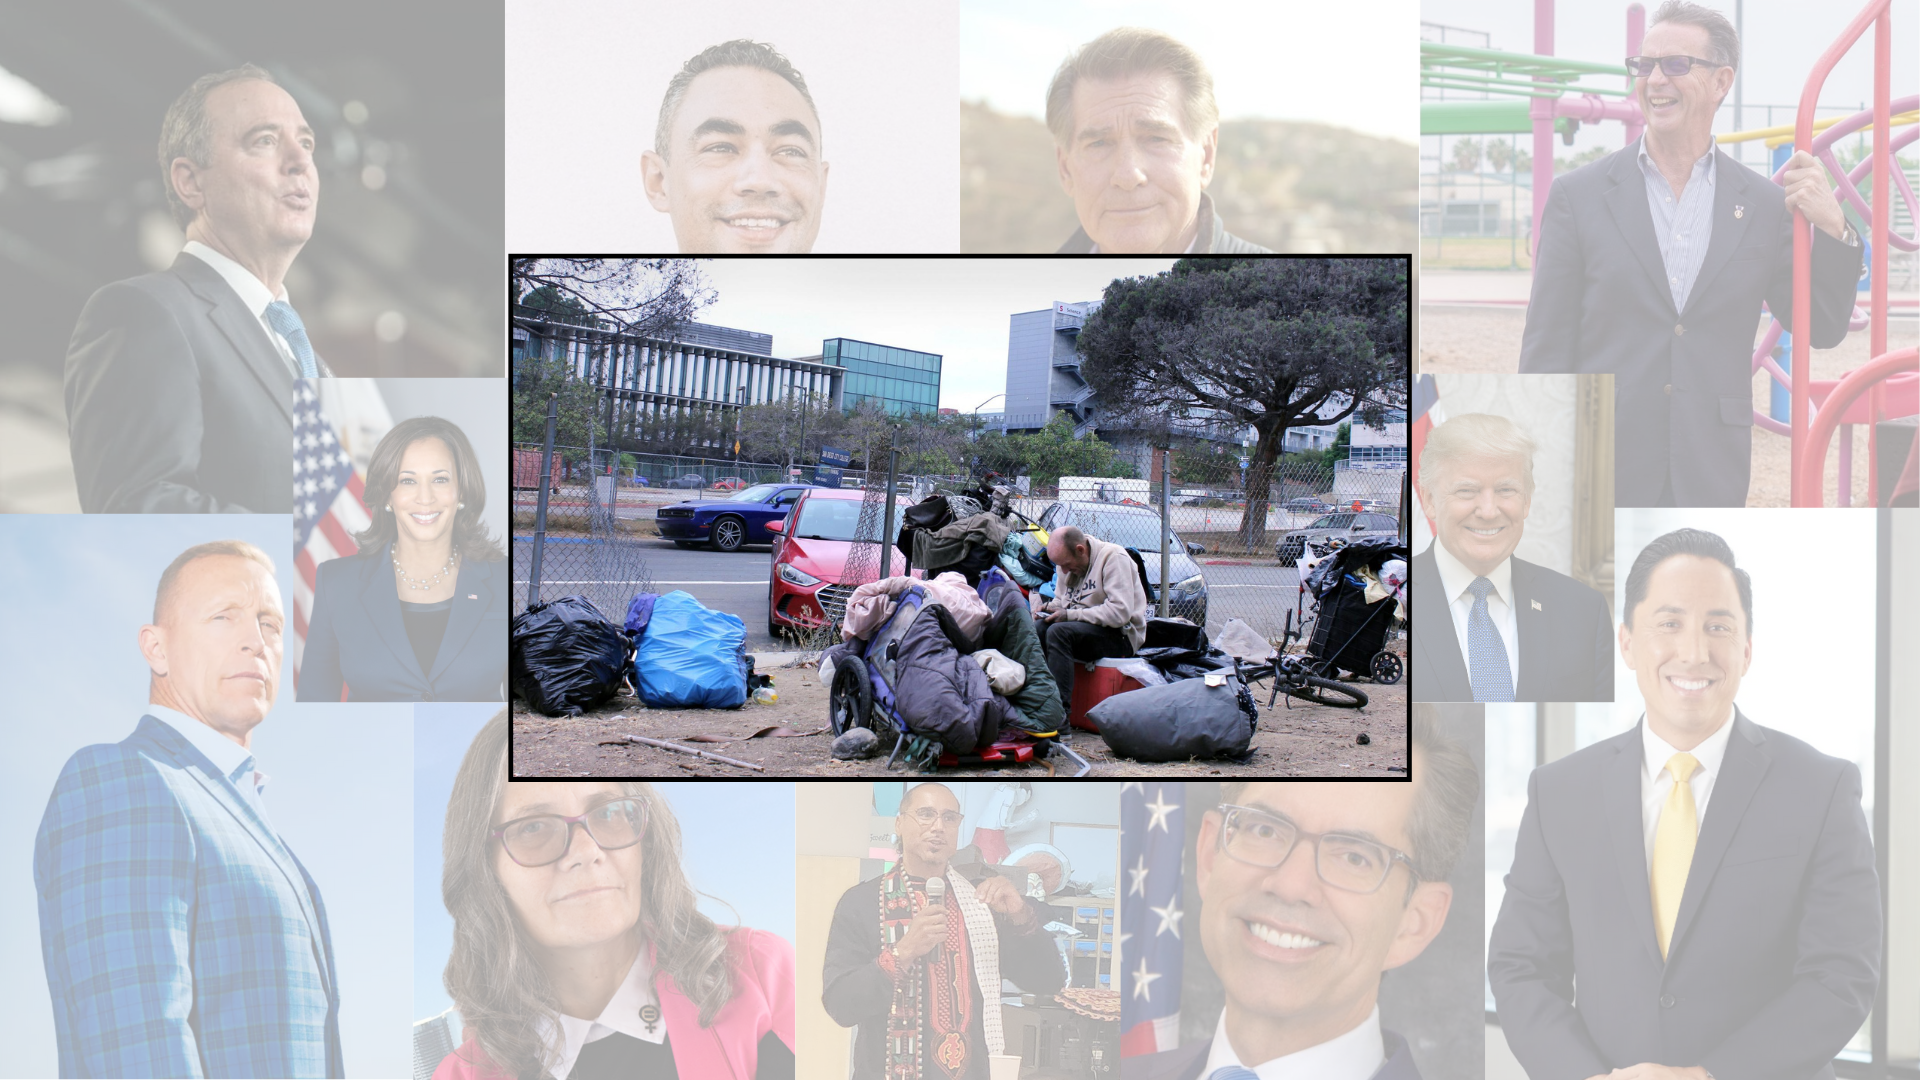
column 733, row 582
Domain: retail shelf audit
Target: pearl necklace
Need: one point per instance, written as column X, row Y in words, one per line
column 428, row 584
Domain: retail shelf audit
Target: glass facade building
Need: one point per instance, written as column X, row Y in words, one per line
column 900, row 381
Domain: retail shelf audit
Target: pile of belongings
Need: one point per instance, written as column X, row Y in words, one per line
column 1352, row 622
column 1201, row 708
column 963, row 666
column 1024, row 557
column 566, row 657
column 953, row 532
column 687, row 656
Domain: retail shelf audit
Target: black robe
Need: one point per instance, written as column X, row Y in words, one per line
column 858, row 991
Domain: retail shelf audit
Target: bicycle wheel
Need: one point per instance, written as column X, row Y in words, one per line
column 1327, row 692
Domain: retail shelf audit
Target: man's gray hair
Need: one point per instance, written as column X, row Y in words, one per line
column 1443, row 803
column 1071, row 538
column 187, row 131
column 1475, row 435
column 1723, row 44
column 1127, row 51
column 739, row 52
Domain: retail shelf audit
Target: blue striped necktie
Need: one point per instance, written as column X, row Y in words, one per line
column 286, row 322
column 1234, row 1072
column 1486, row 650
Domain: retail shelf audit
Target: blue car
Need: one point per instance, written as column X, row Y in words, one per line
column 730, row 523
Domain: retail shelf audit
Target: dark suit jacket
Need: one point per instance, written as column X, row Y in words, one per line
column 177, row 401
column 1186, row 1062
column 1566, row 643
column 1683, row 381
column 357, row 636
column 1776, row 952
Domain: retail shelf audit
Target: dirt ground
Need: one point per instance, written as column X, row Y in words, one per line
column 1463, row 341
column 1301, row 740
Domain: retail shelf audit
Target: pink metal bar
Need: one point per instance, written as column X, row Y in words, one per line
column 1808, row 467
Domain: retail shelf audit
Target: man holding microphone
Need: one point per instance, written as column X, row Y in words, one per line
column 914, row 957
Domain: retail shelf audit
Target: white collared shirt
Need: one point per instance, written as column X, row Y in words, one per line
column 1656, row 781
column 252, row 292
column 622, row 1014
column 1454, row 579
column 1356, row 1055
column 225, row 754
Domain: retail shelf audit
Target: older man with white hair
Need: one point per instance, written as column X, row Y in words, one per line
column 1515, row 631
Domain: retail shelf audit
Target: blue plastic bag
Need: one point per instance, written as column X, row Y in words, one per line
column 691, row 657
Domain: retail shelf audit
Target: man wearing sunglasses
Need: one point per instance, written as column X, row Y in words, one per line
column 909, row 970
column 1652, row 263
column 1309, row 892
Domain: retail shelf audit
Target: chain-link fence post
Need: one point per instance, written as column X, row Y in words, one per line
column 1166, row 524
column 540, row 513
column 886, row 529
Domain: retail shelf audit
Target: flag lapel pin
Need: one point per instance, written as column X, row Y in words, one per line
column 476, row 596
column 1536, row 605
column 1739, row 211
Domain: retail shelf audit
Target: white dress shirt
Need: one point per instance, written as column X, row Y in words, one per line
column 622, row 1014
column 252, row 292
column 1656, row 781
column 1356, row 1055
column 225, row 754
column 1454, row 579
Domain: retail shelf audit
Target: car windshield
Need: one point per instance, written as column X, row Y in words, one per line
column 1140, row 531
column 834, row 519
column 756, row 493
column 1333, row 521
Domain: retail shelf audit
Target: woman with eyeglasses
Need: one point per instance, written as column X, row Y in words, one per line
column 579, row 952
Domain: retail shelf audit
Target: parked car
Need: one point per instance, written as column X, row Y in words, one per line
column 1306, row 505
column 810, row 549
column 730, row 483
column 1347, row 524
column 730, row 523
column 1139, row 528
column 687, row 480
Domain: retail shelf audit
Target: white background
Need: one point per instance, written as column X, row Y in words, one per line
column 585, row 78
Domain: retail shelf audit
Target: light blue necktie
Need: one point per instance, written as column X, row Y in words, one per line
column 1486, row 651
column 286, row 322
column 1234, row 1072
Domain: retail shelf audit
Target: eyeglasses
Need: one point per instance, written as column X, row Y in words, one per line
column 540, row 839
column 1675, row 66
column 927, row 816
column 1350, row 863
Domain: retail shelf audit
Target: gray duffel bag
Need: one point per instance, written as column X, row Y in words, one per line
column 1178, row 720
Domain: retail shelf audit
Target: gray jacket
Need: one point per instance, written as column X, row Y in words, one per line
column 1212, row 238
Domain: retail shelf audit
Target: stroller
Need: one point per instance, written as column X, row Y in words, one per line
column 1349, row 634
column 865, row 678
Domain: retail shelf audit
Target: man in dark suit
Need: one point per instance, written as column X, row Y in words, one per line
column 1652, row 263
column 1309, row 892
column 1500, row 628
column 1706, row 883
column 179, row 383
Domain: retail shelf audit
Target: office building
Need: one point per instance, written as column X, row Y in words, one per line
column 901, row 381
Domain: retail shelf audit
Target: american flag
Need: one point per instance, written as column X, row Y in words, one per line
column 1153, row 841
column 1427, row 414
column 336, row 423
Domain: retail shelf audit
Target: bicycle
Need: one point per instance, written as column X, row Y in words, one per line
column 1293, row 677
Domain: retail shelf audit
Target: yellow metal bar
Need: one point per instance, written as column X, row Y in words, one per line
column 1784, row 132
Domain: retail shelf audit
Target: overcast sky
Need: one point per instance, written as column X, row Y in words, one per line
column 1281, row 61
column 955, row 307
column 1781, row 41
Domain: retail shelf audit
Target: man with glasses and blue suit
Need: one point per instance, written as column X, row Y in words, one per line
column 1652, row 262
column 1309, row 893
column 182, row 937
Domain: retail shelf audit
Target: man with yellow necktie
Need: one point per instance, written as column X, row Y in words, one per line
column 1707, row 884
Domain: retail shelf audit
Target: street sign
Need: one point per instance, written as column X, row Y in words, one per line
column 836, row 457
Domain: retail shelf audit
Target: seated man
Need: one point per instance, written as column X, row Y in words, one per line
column 1099, row 607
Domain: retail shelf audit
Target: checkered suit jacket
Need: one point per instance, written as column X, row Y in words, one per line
column 182, row 937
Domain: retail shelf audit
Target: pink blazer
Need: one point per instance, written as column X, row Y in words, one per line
column 762, row 1002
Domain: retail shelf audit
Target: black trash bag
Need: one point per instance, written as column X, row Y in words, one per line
column 1177, row 721
column 1178, row 633
column 930, row 514
column 1370, row 552
column 566, row 657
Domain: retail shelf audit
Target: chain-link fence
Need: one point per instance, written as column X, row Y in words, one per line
column 585, row 549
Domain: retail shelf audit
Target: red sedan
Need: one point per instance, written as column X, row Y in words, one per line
column 810, row 550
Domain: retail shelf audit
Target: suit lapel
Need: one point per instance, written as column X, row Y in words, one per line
column 1626, row 829
column 241, row 329
column 1433, row 635
column 1744, row 766
column 196, row 765
column 465, row 616
column 1530, row 624
column 382, row 607
column 1729, row 181
column 1627, row 201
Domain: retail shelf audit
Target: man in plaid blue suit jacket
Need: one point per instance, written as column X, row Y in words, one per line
column 182, row 938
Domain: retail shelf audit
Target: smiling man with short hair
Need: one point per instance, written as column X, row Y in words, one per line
column 736, row 156
column 1136, row 132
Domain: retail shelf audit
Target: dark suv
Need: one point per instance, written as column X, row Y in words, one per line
column 1349, row 525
